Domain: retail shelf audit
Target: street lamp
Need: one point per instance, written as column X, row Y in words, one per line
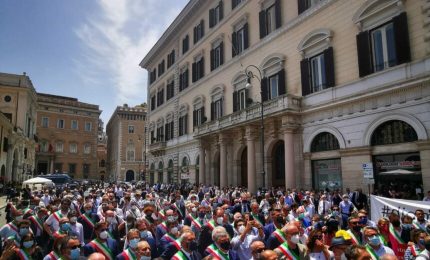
column 250, row 75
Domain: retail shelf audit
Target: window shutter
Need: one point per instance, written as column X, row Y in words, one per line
column 203, row 119
column 222, row 106
column 329, row 67
column 212, row 59
column 264, row 89
column 186, row 124
column 401, row 34
column 363, row 52
column 235, row 101
column 194, row 74
column 211, row 17
column 233, row 4
column 202, row 68
column 262, row 24
column 212, row 111
column 281, row 80
column 181, row 82
column 278, row 13
column 180, row 127
column 166, row 132
column 194, row 118
column 246, row 36
column 186, row 79
column 233, row 44
column 302, row 6
column 221, row 58
column 173, row 57
column 304, row 68
column 221, row 10
column 202, row 22
column 195, row 34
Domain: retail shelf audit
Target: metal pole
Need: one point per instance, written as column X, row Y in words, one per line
column 262, row 140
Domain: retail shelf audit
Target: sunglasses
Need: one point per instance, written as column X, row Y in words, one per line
column 354, row 223
column 74, row 247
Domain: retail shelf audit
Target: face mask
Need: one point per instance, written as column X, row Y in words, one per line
column 356, row 228
column 104, row 235
column 208, row 215
column 18, row 218
column 295, row 239
column 363, row 221
column 335, row 213
column 280, row 219
column 145, row 257
column 109, row 219
column 65, row 227
column 225, row 245
column 174, row 230
column 241, row 229
column 133, row 243
column 144, row 234
column 421, row 241
column 170, row 218
column 73, row 219
column 23, row 231
column 134, row 207
column 407, row 226
column 28, row 244
column 88, row 211
column 192, row 246
column 301, row 216
column 194, row 210
column 396, row 223
column 374, row 241
column 201, row 215
column 220, row 220
column 75, row 253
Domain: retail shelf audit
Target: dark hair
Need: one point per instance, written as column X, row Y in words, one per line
column 313, row 238
column 415, row 234
column 64, row 241
column 28, row 235
column 353, row 252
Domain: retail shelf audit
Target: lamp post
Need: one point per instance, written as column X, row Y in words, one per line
column 251, row 75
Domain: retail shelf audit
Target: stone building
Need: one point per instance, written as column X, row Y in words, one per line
column 102, row 152
column 68, row 136
column 343, row 84
column 18, row 104
column 126, row 143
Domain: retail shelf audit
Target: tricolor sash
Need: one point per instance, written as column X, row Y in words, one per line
column 54, row 256
column 58, row 234
column 23, row 255
column 57, row 215
column 395, row 234
column 211, row 224
column 13, row 227
column 37, row 222
column 384, row 242
column 217, row 253
column 372, row 252
column 128, row 255
column 88, row 220
column 279, row 234
column 178, row 209
column 354, row 239
column 290, row 254
column 257, row 218
column 414, row 251
column 162, row 214
column 195, row 221
column 27, row 211
column 180, row 256
column 173, row 240
column 397, row 243
column 163, row 226
column 418, row 226
column 102, row 248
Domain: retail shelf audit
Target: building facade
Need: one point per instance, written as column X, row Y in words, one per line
column 68, row 136
column 126, row 143
column 18, row 105
column 345, row 86
column 102, row 152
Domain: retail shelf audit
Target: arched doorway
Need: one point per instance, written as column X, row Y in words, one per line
column 160, row 172
column 399, row 171
column 244, row 168
column 129, row 176
column 102, row 175
column 152, row 174
column 170, row 172
column 278, row 164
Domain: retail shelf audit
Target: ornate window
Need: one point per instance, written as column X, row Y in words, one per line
column 73, row 148
column 59, row 147
column 199, row 111
column 324, row 142
column 169, row 127
column 216, row 14
column 270, row 17
column 393, row 132
column 183, row 120
column 273, row 81
column 87, row 148
column 240, row 36
column 241, row 93
column 217, row 102
column 217, row 54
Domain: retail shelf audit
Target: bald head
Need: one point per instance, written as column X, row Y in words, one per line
column 291, row 229
column 96, row 256
column 268, row 255
column 388, row 257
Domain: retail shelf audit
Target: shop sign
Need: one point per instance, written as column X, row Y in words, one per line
column 403, row 164
column 367, row 170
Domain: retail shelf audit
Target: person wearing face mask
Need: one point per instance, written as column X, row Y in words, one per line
column 188, row 248
column 397, row 235
column 291, row 248
column 420, row 222
column 221, row 247
column 88, row 219
column 133, row 238
column 364, row 221
column 278, row 236
column 417, row 244
column 219, row 219
column 383, row 227
column 134, row 210
column 170, row 237
column 37, row 225
column 146, row 235
column 76, row 228
column 346, row 208
column 246, row 231
column 52, row 223
column 27, row 250
column 354, row 230
column 178, row 204
column 278, row 222
column 65, row 229
column 70, row 248
column 198, row 221
column 338, row 247
column 102, row 243
column 316, row 248
column 11, row 228
column 191, row 215
column 161, row 228
column 244, row 205
column 373, row 243
column 115, row 225
column 143, row 251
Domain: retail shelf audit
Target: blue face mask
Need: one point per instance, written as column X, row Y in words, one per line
column 363, row 221
column 407, row 226
column 144, row 234
column 374, row 241
column 28, row 244
column 23, row 231
column 421, row 241
column 75, row 253
column 133, row 243
column 65, row 227
column 88, row 212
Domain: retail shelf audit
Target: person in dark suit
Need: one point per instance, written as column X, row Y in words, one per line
column 188, row 247
column 170, row 237
column 256, row 214
column 243, row 207
column 278, row 223
column 221, row 247
column 133, row 238
column 146, row 235
column 88, row 220
column 161, row 228
column 101, row 241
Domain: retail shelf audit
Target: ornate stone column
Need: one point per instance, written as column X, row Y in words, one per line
column 223, row 161
column 209, row 168
column 250, row 143
column 202, row 164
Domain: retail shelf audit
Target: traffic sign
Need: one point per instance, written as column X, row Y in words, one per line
column 367, row 170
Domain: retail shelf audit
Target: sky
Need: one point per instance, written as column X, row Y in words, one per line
column 87, row 49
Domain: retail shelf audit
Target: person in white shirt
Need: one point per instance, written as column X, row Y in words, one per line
column 46, row 199
column 247, row 232
column 323, row 205
column 427, row 198
column 264, row 204
column 51, row 224
column 76, row 228
column 375, row 246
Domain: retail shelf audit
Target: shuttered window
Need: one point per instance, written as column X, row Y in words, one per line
column 217, row 56
column 183, row 80
column 240, row 40
column 270, row 19
column 216, row 14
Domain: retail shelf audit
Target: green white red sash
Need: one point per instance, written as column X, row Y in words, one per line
column 290, row 254
column 173, row 240
column 178, row 209
column 37, row 222
column 372, row 252
column 180, row 256
column 128, row 254
column 163, row 225
column 217, row 253
column 54, row 256
column 27, row 211
column 280, row 236
column 354, row 238
column 13, row 227
column 88, row 220
column 211, row 224
column 417, row 226
column 414, row 251
column 257, row 218
column 195, row 221
column 102, row 248
column 162, row 214
column 57, row 215
column 58, row 234
column 23, row 255
column 395, row 234
column 384, row 242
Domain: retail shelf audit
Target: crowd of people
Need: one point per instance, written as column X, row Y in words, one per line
column 127, row 222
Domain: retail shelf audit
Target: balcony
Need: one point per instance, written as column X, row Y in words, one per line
column 251, row 113
column 158, row 148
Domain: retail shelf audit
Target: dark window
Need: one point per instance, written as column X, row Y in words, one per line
column 102, row 163
column 383, row 47
column 198, row 69
column 240, row 99
column 324, row 142
column 5, row 144
column 152, row 76
column 273, row 86
column 72, row 168
column 270, row 19
column 8, row 116
column 185, row 44
column 393, row 132
column 170, row 59
column 86, row 169
column 183, row 80
column 235, row 3
column 160, row 97
column 183, row 125
column 199, row 31
column 58, row 167
column 240, row 40
column 170, row 90
column 217, row 56
column 216, row 109
column 160, row 134
column 153, row 139
column 306, row 4
column 199, row 116
column 169, row 128
column 216, row 14
column 153, row 102
column 161, row 68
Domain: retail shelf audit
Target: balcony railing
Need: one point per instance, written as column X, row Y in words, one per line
column 157, row 148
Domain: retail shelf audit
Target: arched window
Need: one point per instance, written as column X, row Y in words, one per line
column 393, row 132
column 160, row 172
column 170, row 172
column 324, row 142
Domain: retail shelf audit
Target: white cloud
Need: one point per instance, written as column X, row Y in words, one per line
column 117, row 38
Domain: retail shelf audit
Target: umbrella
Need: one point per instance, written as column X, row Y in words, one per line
column 398, row 172
column 37, row 180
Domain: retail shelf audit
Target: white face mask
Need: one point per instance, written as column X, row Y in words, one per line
column 295, row 239
column 241, row 229
column 220, row 220
column 104, row 235
column 174, row 230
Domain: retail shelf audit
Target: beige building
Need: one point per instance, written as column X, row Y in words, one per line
column 102, row 152
column 68, row 136
column 126, row 143
column 345, row 87
column 18, row 104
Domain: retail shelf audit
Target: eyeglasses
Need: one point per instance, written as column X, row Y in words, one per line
column 353, row 223
column 74, row 247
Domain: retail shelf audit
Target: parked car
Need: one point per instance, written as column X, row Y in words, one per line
column 60, row 180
